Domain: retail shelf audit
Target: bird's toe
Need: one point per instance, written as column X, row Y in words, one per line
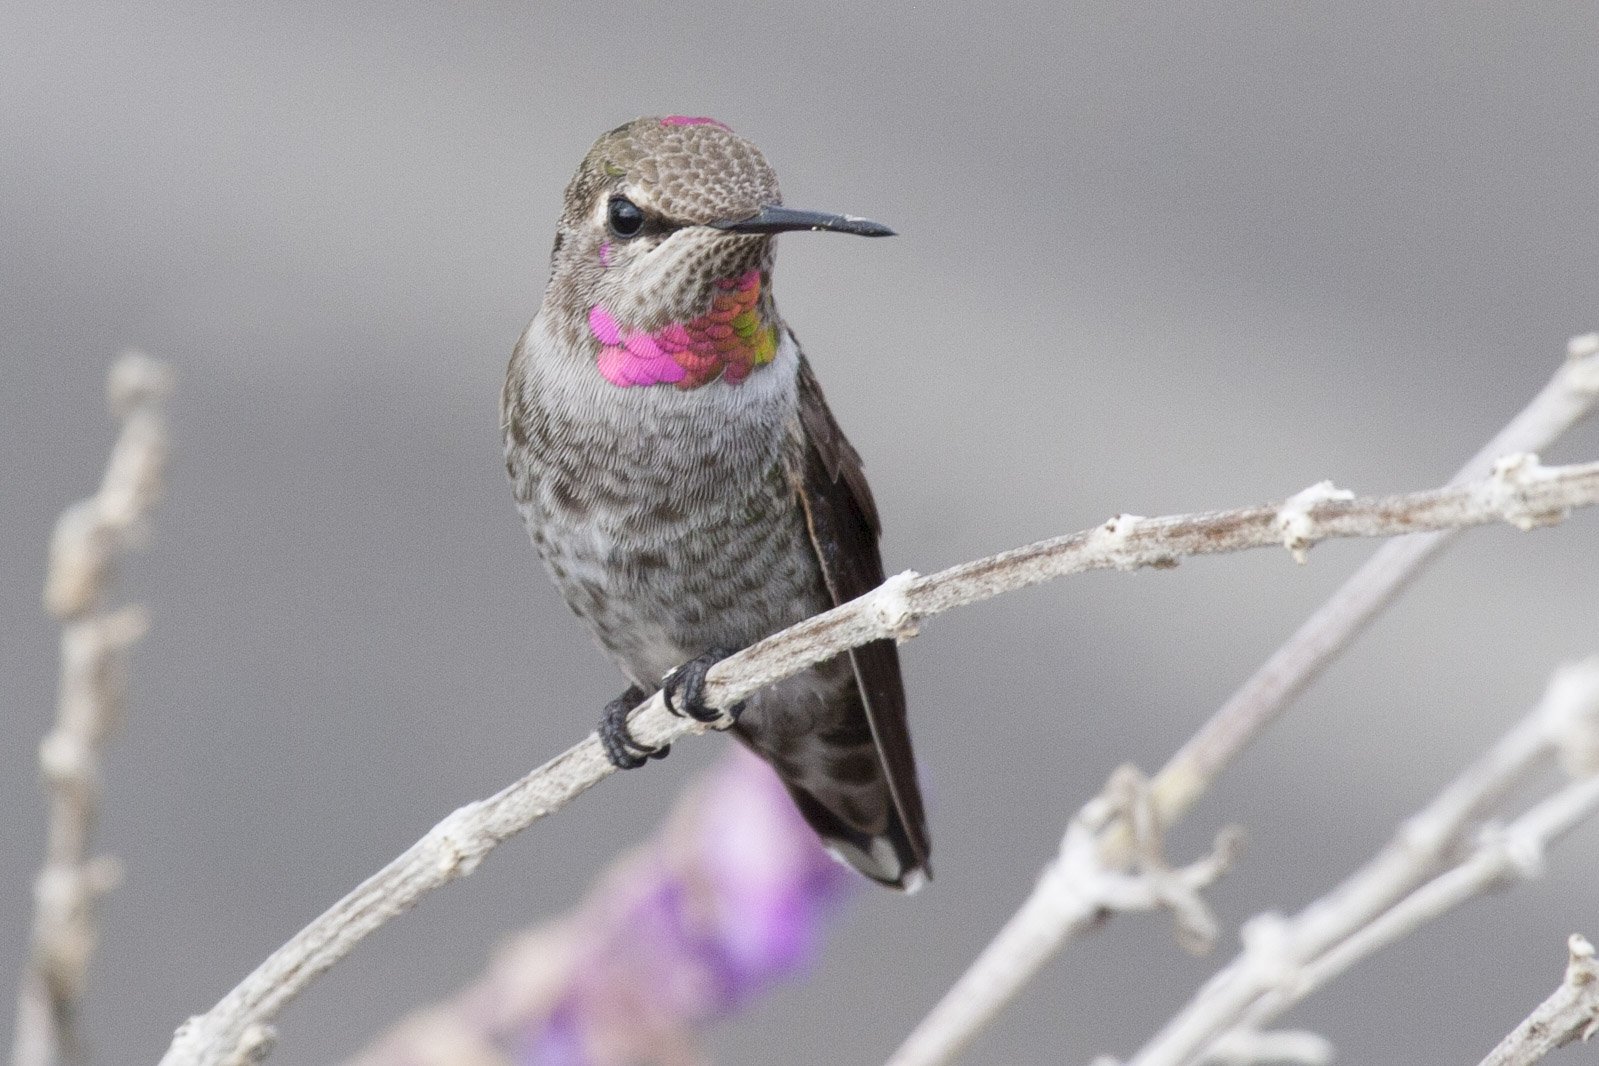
column 621, row 747
column 684, row 689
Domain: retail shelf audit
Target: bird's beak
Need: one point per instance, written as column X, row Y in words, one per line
column 780, row 219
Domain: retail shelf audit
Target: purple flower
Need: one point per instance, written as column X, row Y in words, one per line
column 559, row 1042
column 726, row 900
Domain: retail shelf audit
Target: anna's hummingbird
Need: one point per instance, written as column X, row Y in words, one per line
column 685, row 483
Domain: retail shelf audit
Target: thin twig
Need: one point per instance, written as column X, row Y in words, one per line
column 237, row 1029
column 1040, row 928
column 1503, row 856
column 1570, row 1013
column 89, row 538
column 1285, row 960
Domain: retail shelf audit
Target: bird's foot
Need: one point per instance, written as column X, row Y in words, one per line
column 625, row 752
column 684, row 689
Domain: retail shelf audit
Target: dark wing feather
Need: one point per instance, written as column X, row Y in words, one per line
column 844, row 529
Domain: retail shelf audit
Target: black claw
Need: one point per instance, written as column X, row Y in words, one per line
column 684, row 688
column 621, row 748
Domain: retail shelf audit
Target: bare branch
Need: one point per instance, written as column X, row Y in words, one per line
column 1570, row 1013
column 1285, row 960
column 1076, row 892
column 1569, row 397
column 1008, row 963
column 237, row 1029
column 89, row 538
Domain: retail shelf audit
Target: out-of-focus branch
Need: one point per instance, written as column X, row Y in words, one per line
column 1570, row 1013
column 1504, row 855
column 1077, row 890
column 89, row 538
column 1519, row 491
column 1284, row 960
column 1041, row 927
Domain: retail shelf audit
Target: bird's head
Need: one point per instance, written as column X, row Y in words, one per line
column 663, row 256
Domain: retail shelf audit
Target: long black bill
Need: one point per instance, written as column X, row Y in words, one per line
column 781, row 219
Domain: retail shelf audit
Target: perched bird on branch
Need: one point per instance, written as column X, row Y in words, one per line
column 686, row 485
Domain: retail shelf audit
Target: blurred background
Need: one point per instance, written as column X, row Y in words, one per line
column 1154, row 258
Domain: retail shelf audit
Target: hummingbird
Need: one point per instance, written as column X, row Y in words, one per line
column 686, row 485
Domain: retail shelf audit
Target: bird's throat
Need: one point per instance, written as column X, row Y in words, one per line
column 728, row 342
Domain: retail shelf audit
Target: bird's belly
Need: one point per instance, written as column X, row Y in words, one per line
column 676, row 572
column 667, row 518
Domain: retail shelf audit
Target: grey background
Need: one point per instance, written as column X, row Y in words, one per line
column 1154, row 258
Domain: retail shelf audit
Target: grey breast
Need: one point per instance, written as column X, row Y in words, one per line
column 666, row 518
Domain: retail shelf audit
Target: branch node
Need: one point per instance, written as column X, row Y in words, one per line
column 1506, row 492
column 80, row 555
column 1154, row 884
column 137, row 380
column 893, row 606
column 1572, row 716
column 255, row 1043
column 1581, row 969
column 1298, row 529
column 1110, row 540
column 457, row 839
column 66, row 761
column 1267, row 939
column 1517, row 851
column 1581, row 351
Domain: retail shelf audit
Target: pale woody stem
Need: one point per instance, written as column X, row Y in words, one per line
column 1523, row 493
column 88, row 540
column 999, row 973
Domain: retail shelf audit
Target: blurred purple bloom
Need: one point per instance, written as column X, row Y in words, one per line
column 559, row 1042
column 727, row 899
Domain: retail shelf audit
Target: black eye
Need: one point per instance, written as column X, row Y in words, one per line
column 624, row 216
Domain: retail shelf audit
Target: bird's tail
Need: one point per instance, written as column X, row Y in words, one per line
column 888, row 857
column 847, row 762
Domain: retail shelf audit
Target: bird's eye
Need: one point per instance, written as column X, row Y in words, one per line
column 625, row 218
